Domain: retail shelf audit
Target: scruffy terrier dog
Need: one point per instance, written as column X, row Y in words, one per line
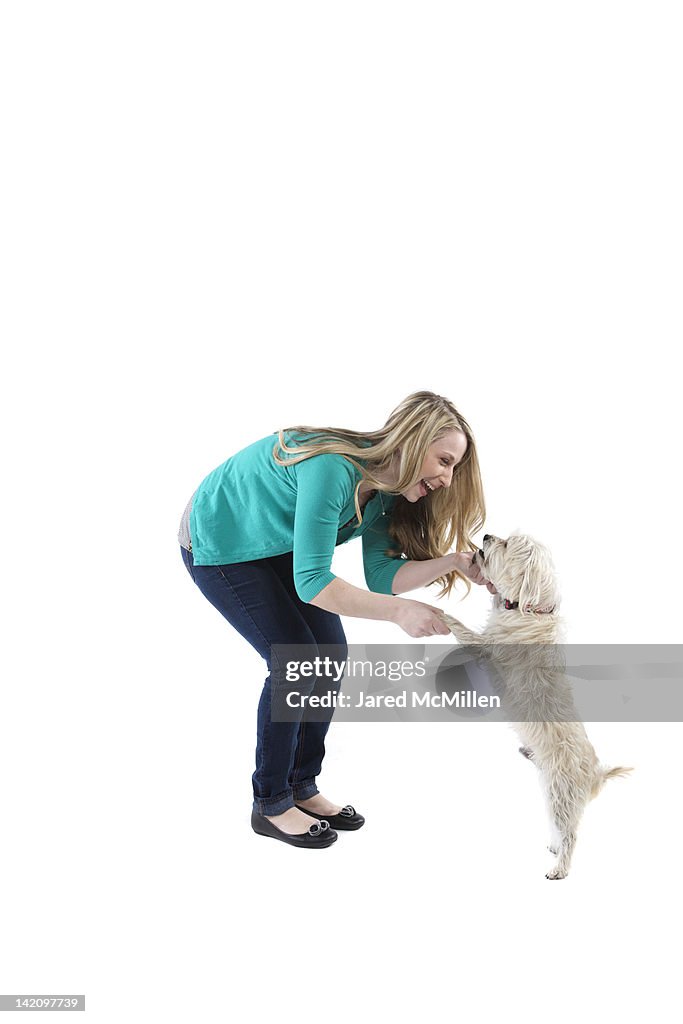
column 522, row 639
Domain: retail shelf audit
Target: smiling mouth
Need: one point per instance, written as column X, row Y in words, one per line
column 427, row 486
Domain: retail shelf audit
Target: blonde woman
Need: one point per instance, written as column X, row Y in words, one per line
column 258, row 538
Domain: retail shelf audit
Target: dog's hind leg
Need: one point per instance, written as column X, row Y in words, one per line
column 561, row 869
column 565, row 813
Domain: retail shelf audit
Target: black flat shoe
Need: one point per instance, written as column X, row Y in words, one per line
column 346, row 821
column 317, row 837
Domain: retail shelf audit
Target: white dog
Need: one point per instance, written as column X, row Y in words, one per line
column 522, row 640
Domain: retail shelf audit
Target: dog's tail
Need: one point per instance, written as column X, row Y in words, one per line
column 613, row 773
column 608, row 773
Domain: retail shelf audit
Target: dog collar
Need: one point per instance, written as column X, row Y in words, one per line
column 508, row 605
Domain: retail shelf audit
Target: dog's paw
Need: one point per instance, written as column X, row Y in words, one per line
column 556, row 874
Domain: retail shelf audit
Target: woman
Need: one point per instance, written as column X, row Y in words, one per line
column 258, row 538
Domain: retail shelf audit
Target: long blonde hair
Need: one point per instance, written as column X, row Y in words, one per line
column 424, row 529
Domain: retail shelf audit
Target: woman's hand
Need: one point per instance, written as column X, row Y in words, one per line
column 465, row 563
column 418, row 619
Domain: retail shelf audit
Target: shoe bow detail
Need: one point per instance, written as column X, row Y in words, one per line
column 348, row 819
column 317, row 827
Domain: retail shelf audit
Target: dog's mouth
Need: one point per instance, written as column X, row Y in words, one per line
column 481, row 553
column 479, row 556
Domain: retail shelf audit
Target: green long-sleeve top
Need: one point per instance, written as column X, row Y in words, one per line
column 251, row 507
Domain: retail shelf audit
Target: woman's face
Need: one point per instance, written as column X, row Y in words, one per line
column 437, row 469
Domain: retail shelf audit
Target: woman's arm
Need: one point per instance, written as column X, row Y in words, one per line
column 414, row 575
column 343, row 598
column 414, row 617
column 387, row 575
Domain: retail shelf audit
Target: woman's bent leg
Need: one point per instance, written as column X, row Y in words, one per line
column 328, row 633
column 252, row 597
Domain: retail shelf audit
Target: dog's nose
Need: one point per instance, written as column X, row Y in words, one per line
column 487, row 536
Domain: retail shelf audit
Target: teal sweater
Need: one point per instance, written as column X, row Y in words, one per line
column 250, row 507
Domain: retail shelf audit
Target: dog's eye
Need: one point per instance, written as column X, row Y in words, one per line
column 505, row 544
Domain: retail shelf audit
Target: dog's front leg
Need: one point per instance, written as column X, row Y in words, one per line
column 463, row 634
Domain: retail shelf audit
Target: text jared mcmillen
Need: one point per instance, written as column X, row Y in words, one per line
column 331, row 699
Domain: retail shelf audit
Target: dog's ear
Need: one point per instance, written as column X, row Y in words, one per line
column 538, row 588
column 530, row 591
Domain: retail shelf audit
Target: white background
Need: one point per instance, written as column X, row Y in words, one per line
column 221, row 219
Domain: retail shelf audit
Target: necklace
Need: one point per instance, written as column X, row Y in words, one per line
column 370, row 498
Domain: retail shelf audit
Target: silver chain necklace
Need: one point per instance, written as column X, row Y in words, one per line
column 384, row 512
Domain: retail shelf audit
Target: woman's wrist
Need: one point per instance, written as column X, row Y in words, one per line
column 461, row 561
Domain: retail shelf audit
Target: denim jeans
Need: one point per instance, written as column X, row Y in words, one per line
column 258, row 598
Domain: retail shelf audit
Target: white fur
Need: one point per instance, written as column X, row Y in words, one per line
column 524, row 644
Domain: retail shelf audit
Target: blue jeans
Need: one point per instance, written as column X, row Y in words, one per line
column 258, row 598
